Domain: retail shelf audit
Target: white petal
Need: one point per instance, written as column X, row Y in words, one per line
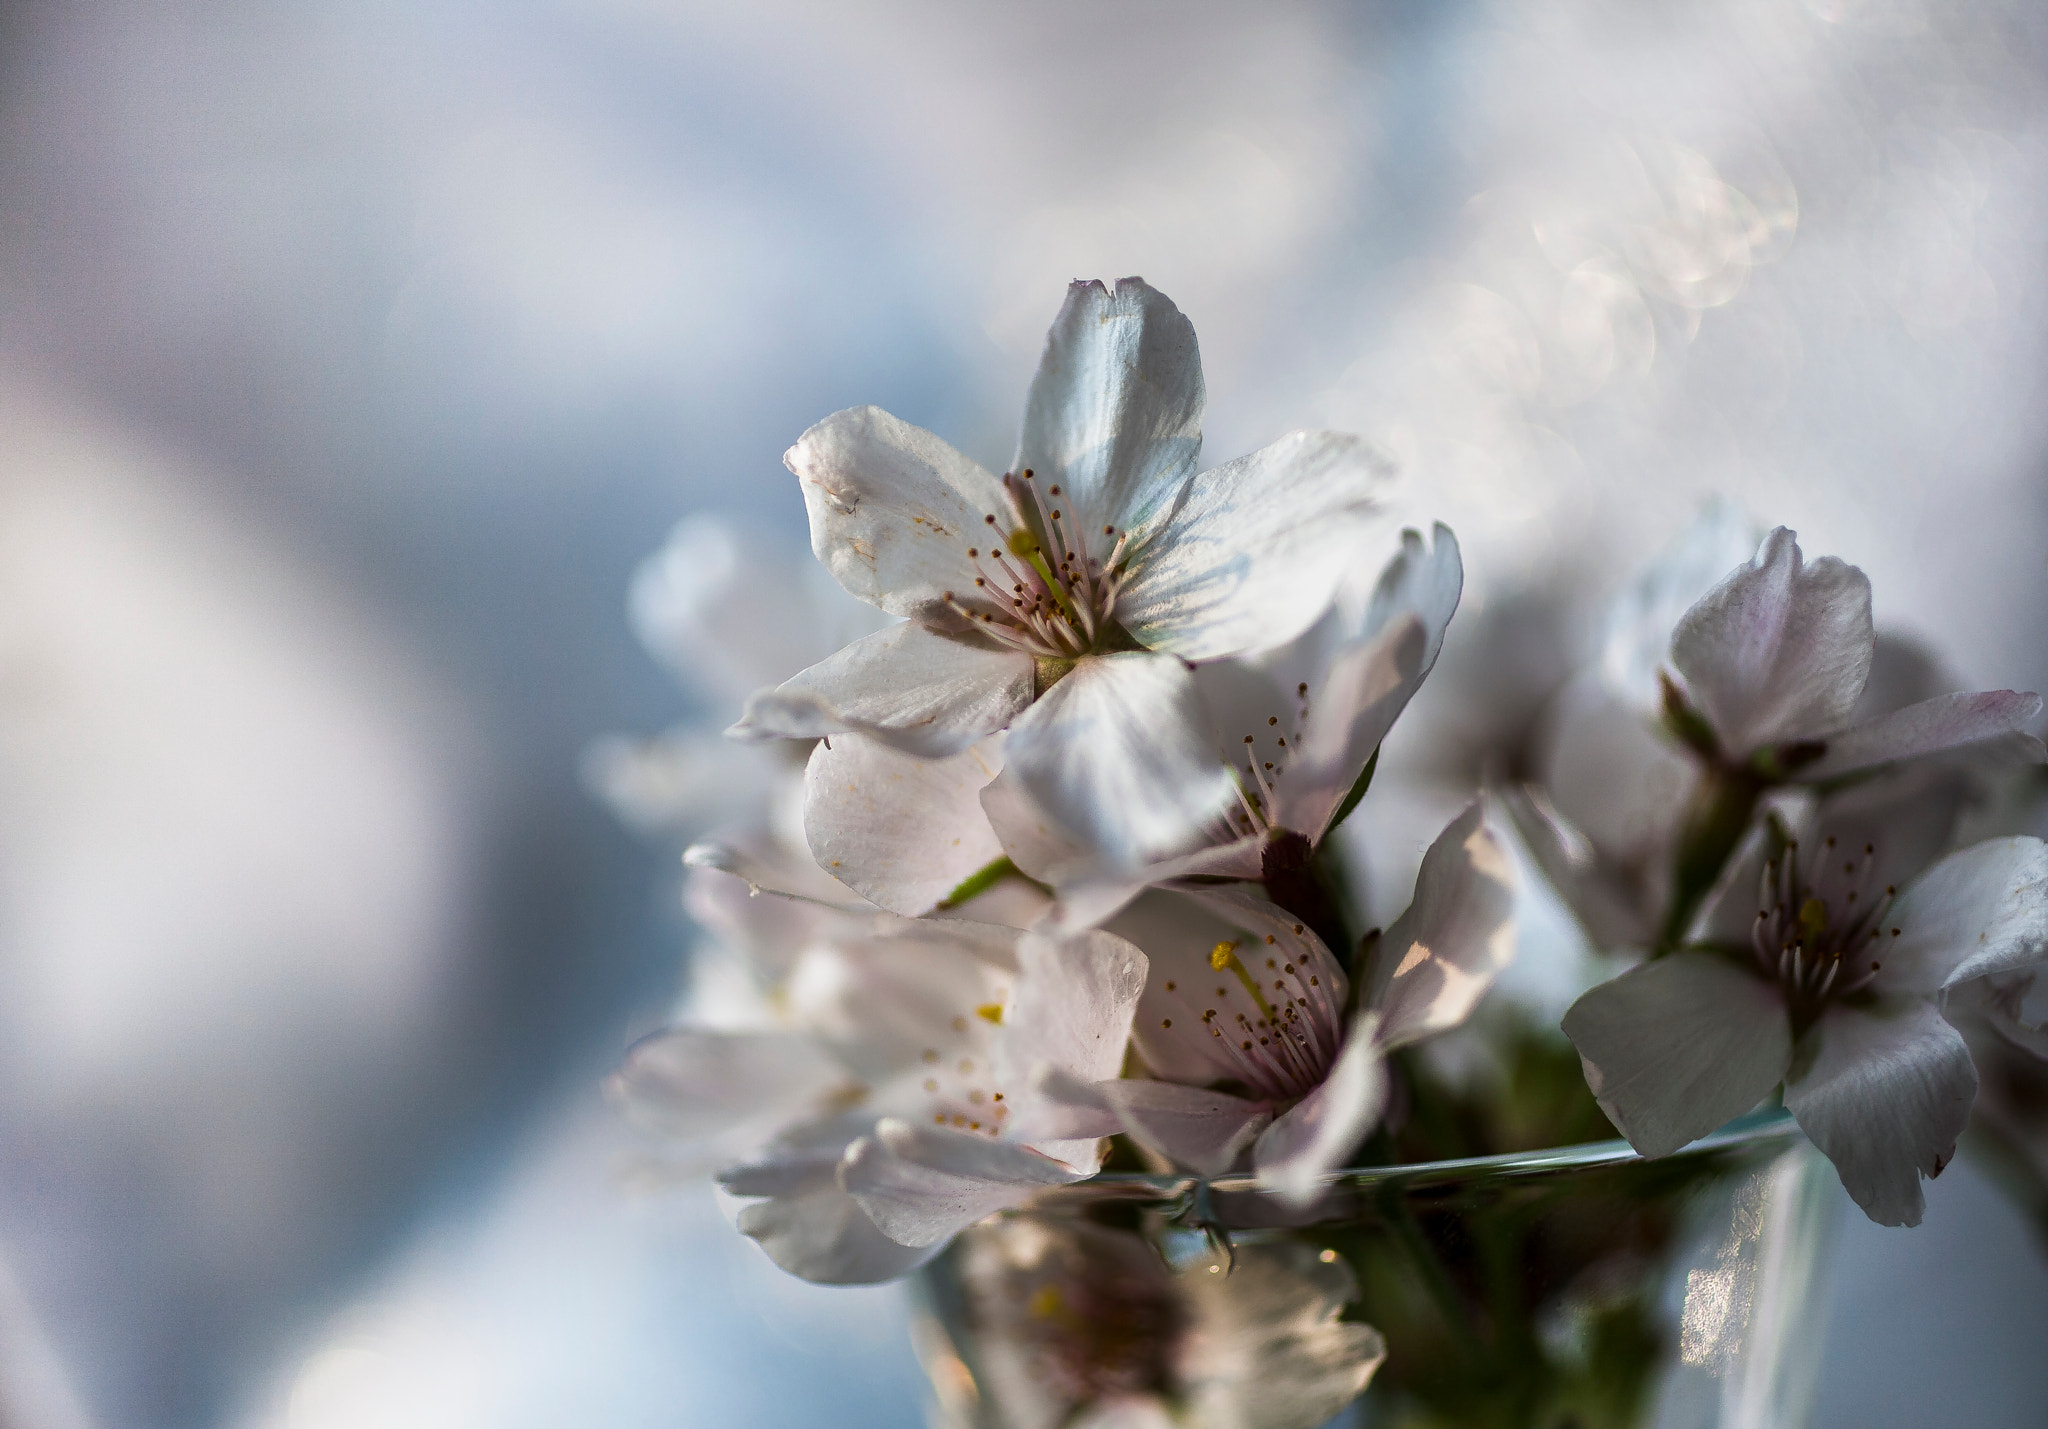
column 1677, row 1047
column 2001, row 1001
column 681, row 780
column 1308, row 1143
column 1637, row 643
column 881, row 1002
column 1119, row 756
column 1983, row 909
column 1313, row 713
column 691, row 1084
column 1884, row 1091
column 1039, row 847
column 1373, row 676
column 1201, row 1130
column 1779, row 650
column 920, row 1185
column 1254, row 550
column 724, row 609
column 1071, row 1006
column 1115, row 411
column 1600, row 895
column 915, row 689
column 1437, row 960
column 1091, row 887
column 1930, row 727
column 902, row 832
column 894, row 510
column 771, row 931
column 1062, row 1107
column 1312, row 762
column 1617, row 779
column 812, row 1228
column 1086, row 902
column 1070, row 1010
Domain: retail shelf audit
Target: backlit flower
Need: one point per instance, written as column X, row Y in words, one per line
column 1069, row 596
column 1823, row 968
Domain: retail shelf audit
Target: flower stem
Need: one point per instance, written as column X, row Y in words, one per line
column 1721, row 809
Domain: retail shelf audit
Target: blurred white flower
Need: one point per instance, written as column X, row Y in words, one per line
column 1771, row 675
column 1774, row 659
column 726, row 613
column 870, row 1101
column 1079, row 1324
column 1815, row 971
column 1071, row 596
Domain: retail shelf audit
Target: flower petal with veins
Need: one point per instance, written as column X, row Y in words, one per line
column 912, row 688
column 1884, row 1091
column 920, row 1185
column 1779, row 650
column 1255, row 548
column 902, row 832
column 1118, row 755
column 1115, row 410
column 1677, row 1047
column 893, row 511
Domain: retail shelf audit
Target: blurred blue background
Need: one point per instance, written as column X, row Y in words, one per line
column 353, row 355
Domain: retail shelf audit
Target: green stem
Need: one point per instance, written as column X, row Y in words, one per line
column 978, row 882
column 1721, row 809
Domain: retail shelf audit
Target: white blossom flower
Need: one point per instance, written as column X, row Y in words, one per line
column 905, row 833
column 1816, row 970
column 1069, row 597
column 1244, row 1025
column 1773, row 675
column 1774, row 659
column 872, row 1110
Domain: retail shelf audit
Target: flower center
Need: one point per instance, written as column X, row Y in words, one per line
column 1268, row 1018
column 1819, row 930
column 1036, row 587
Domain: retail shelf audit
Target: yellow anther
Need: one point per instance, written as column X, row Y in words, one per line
column 990, row 1012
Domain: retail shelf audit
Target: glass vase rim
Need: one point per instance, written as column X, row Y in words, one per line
column 1773, row 1123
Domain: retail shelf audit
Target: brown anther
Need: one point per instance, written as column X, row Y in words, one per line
column 1166, row 1022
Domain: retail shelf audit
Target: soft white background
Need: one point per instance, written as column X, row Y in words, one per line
column 352, row 354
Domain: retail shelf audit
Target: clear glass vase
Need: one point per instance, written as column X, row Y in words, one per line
column 1582, row 1287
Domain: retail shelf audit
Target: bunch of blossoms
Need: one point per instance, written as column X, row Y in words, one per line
column 1771, row 831
column 1073, row 806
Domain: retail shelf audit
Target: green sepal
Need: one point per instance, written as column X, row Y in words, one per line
column 1357, row 790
